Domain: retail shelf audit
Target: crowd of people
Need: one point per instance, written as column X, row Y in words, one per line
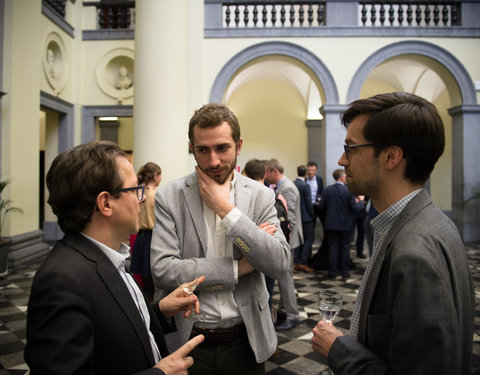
column 245, row 231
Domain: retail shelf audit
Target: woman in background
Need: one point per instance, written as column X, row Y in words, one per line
column 149, row 175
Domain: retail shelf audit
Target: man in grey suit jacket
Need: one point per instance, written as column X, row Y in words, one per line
column 415, row 307
column 274, row 174
column 224, row 221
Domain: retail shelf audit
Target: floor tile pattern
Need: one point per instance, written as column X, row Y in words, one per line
column 295, row 350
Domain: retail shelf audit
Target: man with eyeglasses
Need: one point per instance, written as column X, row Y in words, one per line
column 415, row 305
column 86, row 314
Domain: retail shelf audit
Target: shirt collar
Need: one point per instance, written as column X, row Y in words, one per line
column 117, row 257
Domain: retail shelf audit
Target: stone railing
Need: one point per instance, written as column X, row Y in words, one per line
column 114, row 14
column 263, row 18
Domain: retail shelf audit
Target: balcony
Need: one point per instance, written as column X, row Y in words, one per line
column 115, row 19
column 333, row 18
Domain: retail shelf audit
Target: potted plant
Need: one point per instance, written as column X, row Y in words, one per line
column 5, row 208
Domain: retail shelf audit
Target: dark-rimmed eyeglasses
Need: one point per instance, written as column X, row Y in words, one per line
column 140, row 190
column 349, row 148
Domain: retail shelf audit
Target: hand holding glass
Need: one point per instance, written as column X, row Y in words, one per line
column 187, row 278
column 329, row 304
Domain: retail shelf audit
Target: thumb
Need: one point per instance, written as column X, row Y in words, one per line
column 184, row 350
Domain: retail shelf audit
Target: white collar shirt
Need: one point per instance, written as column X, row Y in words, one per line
column 118, row 259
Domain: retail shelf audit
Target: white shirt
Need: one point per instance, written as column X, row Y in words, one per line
column 220, row 308
column 118, row 260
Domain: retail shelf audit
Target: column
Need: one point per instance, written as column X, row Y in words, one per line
column 161, row 111
column 334, row 135
column 465, row 170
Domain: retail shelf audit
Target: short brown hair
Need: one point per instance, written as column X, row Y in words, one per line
column 255, row 169
column 213, row 115
column 404, row 120
column 77, row 176
column 147, row 172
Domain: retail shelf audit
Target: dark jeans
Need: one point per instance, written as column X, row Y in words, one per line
column 225, row 358
column 338, row 251
column 302, row 253
column 270, row 285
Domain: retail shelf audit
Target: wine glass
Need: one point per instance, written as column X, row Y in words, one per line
column 329, row 304
column 187, row 277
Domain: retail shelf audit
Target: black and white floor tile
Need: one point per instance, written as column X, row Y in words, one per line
column 295, row 351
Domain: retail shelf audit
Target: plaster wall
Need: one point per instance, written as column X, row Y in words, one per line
column 272, row 120
column 20, row 124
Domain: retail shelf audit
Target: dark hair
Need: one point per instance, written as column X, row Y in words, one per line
column 403, row 120
column 337, row 173
column 77, row 176
column 255, row 169
column 147, row 172
column 274, row 164
column 301, row 171
column 312, row 163
column 213, row 115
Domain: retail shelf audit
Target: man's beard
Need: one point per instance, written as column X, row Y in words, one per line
column 222, row 177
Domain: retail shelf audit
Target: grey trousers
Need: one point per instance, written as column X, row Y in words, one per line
column 287, row 295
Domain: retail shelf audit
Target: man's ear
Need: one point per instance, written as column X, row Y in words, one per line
column 393, row 156
column 104, row 203
column 239, row 145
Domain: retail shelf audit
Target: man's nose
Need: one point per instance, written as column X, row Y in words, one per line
column 343, row 161
column 214, row 160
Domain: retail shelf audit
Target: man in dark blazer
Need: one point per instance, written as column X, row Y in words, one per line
column 86, row 314
column 302, row 253
column 415, row 306
column 341, row 209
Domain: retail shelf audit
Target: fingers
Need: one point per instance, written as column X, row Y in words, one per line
column 184, row 350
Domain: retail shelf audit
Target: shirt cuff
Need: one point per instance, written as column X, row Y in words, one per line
column 231, row 218
column 235, row 271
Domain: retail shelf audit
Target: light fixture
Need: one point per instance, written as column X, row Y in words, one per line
column 108, row 118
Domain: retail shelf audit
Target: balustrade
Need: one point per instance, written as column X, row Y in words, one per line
column 248, row 14
column 114, row 14
column 409, row 13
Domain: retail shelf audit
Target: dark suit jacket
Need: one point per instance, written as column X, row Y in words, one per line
column 340, row 208
column 417, row 311
column 82, row 319
column 306, row 205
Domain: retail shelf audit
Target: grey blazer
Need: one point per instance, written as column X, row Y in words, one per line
column 417, row 311
column 179, row 233
column 288, row 189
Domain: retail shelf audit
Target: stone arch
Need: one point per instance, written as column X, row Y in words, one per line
column 275, row 48
column 465, row 115
column 445, row 58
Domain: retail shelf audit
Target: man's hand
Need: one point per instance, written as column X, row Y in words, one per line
column 177, row 363
column 244, row 266
column 215, row 195
column 178, row 300
column 267, row 227
column 324, row 334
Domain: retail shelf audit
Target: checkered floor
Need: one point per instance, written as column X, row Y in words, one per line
column 295, row 350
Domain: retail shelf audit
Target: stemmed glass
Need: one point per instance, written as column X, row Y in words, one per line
column 329, row 304
column 187, row 278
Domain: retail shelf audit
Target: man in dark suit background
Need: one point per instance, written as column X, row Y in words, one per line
column 316, row 187
column 415, row 307
column 302, row 253
column 86, row 314
column 341, row 209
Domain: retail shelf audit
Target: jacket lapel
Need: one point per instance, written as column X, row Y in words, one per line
column 115, row 284
column 243, row 196
column 195, row 208
column 420, row 200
